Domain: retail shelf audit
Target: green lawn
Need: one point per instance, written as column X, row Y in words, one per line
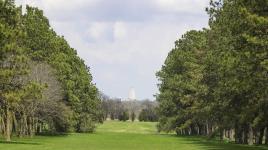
column 114, row 135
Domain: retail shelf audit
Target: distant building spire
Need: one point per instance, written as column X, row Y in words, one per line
column 131, row 94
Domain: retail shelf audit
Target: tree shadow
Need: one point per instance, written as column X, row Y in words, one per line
column 219, row 145
column 20, row 142
column 53, row 134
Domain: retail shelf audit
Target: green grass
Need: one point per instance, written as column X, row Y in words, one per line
column 114, row 135
column 128, row 127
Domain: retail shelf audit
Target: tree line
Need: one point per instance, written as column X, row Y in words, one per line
column 214, row 82
column 44, row 86
column 116, row 109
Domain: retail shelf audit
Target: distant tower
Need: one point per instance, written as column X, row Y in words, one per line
column 131, row 94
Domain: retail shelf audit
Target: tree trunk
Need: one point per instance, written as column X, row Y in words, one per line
column 238, row 134
column 232, row 135
column 31, row 126
column 8, row 125
column 41, row 128
column 177, row 132
column 25, row 127
column 3, row 125
column 19, row 132
column 225, row 134
column 184, row 131
column 245, row 134
column 189, row 131
column 250, row 136
column 260, row 136
column 209, row 129
column 266, row 135
column 221, row 131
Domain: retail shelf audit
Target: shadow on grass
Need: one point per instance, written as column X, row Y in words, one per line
column 16, row 142
column 218, row 145
column 53, row 134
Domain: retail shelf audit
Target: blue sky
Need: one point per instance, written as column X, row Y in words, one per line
column 125, row 42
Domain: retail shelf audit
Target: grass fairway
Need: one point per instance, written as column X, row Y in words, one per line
column 114, row 135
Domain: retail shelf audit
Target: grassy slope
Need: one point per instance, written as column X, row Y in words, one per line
column 121, row 135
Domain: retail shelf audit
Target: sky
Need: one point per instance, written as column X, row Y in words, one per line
column 125, row 42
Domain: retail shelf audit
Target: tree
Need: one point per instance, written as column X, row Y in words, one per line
column 214, row 82
column 181, row 88
column 148, row 114
column 13, row 63
column 133, row 116
column 241, row 25
column 123, row 116
column 44, row 85
column 74, row 76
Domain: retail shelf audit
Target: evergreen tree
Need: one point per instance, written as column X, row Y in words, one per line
column 44, row 85
column 214, row 82
column 13, row 63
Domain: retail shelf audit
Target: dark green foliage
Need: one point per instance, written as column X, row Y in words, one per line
column 148, row 115
column 45, row 86
column 123, row 116
column 133, row 116
column 79, row 93
column 13, row 66
column 181, row 78
column 86, row 125
column 214, row 82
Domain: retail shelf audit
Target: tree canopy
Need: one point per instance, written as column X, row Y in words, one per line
column 214, row 82
column 45, row 86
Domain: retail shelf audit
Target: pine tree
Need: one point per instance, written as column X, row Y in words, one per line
column 13, row 63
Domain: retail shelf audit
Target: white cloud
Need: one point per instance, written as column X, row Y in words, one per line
column 120, row 30
column 59, row 4
column 124, row 42
column 186, row 6
column 98, row 30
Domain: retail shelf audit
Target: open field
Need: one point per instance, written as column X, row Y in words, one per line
column 114, row 135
